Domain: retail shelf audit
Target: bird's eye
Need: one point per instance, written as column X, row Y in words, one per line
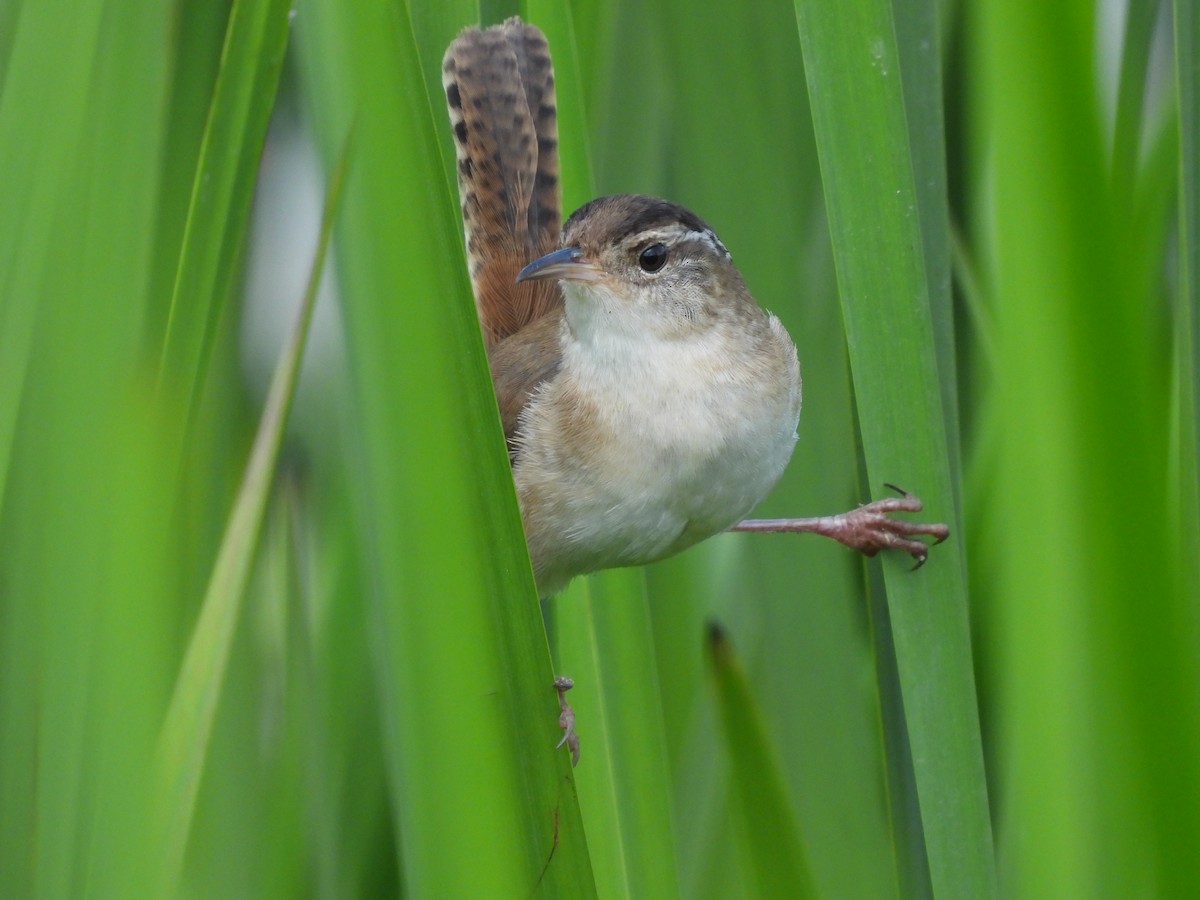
column 653, row 258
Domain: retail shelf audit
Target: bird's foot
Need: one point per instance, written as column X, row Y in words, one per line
column 867, row 529
column 566, row 718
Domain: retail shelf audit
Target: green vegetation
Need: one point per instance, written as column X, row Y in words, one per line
column 243, row 654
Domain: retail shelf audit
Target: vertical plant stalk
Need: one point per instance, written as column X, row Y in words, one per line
column 878, row 227
column 34, row 152
column 605, row 642
column 243, row 97
column 1095, row 666
column 461, row 664
column 776, row 852
column 1131, row 92
column 183, row 744
column 1187, row 323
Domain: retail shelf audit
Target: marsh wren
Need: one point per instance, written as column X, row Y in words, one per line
column 647, row 400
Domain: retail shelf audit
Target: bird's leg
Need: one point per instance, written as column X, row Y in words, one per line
column 868, row 529
column 566, row 718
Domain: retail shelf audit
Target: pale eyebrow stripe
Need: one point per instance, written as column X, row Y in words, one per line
column 682, row 233
column 709, row 237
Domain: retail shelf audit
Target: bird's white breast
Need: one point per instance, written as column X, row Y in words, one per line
column 644, row 445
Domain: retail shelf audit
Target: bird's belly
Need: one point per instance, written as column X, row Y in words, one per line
column 649, row 479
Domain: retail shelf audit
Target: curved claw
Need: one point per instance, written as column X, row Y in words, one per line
column 912, row 503
column 871, row 528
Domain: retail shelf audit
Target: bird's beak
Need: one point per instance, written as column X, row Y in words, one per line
column 567, row 264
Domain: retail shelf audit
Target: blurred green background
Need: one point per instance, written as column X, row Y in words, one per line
column 252, row 647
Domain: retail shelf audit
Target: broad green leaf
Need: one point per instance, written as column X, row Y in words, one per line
column 483, row 804
column 1095, row 679
column 83, row 537
column 877, row 223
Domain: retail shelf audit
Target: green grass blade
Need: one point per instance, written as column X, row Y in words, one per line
column 776, row 852
column 9, row 14
column 493, row 12
column 483, row 804
column 197, row 61
column 557, row 21
column 852, row 63
column 1140, row 19
column 222, row 191
column 49, row 48
column 83, row 611
column 909, row 854
column 385, row 723
column 920, row 52
column 1187, row 324
column 188, row 725
column 1095, row 640
column 604, row 642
